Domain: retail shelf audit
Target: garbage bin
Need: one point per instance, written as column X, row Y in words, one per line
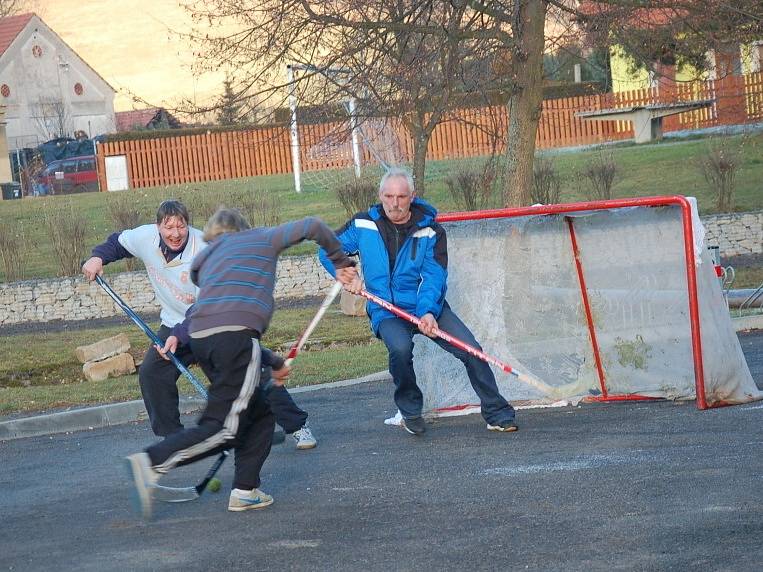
column 11, row 190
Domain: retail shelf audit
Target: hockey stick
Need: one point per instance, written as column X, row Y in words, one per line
column 295, row 349
column 185, row 494
column 526, row 378
column 164, row 493
column 151, row 335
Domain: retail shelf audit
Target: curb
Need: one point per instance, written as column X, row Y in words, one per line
column 101, row 416
column 745, row 323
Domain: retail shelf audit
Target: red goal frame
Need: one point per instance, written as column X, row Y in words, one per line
column 691, row 273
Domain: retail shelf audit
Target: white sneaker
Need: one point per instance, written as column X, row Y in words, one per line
column 145, row 479
column 248, row 500
column 304, row 438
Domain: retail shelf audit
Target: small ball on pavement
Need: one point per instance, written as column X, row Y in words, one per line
column 214, row 485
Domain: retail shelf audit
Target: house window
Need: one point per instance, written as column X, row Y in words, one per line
column 5, row 91
column 78, row 89
column 37, row 51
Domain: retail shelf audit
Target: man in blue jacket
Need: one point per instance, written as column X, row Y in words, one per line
column 404, row 259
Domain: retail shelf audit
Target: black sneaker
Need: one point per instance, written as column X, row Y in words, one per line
column 414, row 425
column 503, row 426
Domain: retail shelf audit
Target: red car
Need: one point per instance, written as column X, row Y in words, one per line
column 72, row 175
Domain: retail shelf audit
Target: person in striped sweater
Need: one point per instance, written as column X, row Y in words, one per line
column 236, row 278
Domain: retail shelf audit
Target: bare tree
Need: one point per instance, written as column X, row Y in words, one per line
column 12, row 7
column 52, row 117
column 660, row 33
column 526, row 19
column 399, row 60
column 411, row 59
column 683, row 29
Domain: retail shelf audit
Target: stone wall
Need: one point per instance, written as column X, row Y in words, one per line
column 736, row 233
column 75, row 299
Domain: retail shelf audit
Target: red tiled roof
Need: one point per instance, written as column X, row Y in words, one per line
column 128, row 120
column 11, row 27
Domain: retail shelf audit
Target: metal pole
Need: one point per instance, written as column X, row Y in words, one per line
column 355, row 137
column 18, row 169
column 293, row 133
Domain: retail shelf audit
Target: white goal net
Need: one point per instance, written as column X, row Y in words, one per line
column 337, row 150
column 612, row 319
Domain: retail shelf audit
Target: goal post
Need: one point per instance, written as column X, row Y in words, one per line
column 336, row 147
column 339, row 139
column 604, row 301
column 294, row 129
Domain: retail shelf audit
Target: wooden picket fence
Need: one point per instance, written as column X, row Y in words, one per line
column 469, row 132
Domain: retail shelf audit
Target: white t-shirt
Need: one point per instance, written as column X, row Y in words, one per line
column 171, row 280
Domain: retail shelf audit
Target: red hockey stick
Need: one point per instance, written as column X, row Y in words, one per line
column 523, row 377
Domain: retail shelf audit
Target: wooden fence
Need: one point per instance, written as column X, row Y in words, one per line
column 467, row 132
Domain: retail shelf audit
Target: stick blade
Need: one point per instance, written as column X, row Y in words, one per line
column 175, row 494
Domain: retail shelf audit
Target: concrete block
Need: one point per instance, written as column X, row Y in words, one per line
column 351, row 304
column 103, row 348
column 121, row 364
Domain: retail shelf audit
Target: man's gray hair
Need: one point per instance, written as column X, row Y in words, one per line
column 397, row 173
column 224, row 220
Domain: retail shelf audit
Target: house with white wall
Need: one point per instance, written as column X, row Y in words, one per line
column 47, row 90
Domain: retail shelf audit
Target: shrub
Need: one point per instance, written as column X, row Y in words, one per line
column 259, row 207
column 13, row 245
column 125, row 213
column 546, row 187
column 600, row 172
column 719, row 167
column 473, row 189
column 201, row 206
column 356, row 195
column 67, row 231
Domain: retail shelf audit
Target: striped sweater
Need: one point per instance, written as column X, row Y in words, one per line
column 236, row 273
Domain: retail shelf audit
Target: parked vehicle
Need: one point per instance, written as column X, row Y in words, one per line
column 72, row 175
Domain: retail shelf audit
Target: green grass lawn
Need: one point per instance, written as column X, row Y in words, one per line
column 39, row 371
column 747, row 278
column 668, row 167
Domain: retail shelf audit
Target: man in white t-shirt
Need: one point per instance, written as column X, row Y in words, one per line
column 167, row 249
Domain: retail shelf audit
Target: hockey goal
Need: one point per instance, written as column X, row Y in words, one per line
column 604, row 301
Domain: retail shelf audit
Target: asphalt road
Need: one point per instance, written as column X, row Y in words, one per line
column 639, row 486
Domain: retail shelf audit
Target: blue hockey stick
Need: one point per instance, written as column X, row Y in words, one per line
column 152, row 336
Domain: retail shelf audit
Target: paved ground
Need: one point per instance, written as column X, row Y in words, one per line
column 658, row 486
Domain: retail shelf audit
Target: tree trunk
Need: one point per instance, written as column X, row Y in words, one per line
column 524, row 105
column 420, row 145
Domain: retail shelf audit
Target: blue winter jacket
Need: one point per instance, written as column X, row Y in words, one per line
column 418, row 281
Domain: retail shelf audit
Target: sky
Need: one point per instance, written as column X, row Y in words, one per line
column 129, row 43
